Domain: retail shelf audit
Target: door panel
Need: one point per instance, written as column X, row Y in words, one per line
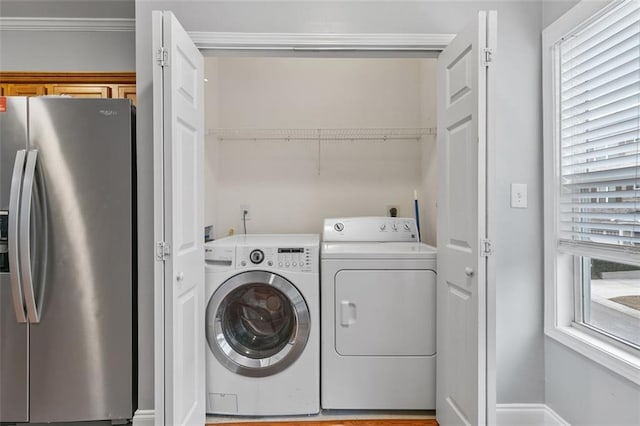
column 459, row 75
column 185, row 162
column 462, row 190
column 14, row 377
column 179, row 105
column 84, row 337
column 461, row 207
column 13, row 360
column 82, row 90
column 397, row 304
column 26, row 90
column 188, row 322
column 127, row 91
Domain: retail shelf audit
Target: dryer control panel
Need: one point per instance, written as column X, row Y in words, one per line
column 300, row 259
column 370, row 229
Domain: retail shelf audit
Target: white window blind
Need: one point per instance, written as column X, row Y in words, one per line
column 600, row 133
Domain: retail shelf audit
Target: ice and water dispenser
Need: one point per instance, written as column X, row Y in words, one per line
column 4, row 241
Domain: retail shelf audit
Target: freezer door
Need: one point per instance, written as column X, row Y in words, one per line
column 81, row 350
column 13, row 336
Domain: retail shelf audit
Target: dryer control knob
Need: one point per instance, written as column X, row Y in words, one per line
column 338, row 226
column 383, row 226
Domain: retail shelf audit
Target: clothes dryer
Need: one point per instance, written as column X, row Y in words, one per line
column 262, row 325
column 378, row 301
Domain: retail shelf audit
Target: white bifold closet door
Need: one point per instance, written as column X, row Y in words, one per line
column 179, row 224
column 464, row 75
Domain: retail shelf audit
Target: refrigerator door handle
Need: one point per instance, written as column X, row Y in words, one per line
column 33, row 311
column 13, row 237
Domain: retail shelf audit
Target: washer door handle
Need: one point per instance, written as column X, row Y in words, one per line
column 348, row 313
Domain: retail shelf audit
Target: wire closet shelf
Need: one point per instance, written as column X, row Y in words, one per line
column 351, row 134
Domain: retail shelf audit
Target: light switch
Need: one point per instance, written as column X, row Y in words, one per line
column 519, row 195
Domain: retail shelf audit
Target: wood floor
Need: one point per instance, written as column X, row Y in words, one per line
column 359, row 422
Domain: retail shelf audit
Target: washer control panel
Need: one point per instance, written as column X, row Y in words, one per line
column 301, row 259
column 271, row 252
column 365, row 229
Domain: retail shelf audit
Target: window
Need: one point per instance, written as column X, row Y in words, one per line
column 609, row 299
column 592, row 175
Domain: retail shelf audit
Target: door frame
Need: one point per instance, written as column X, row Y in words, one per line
column 389, row 43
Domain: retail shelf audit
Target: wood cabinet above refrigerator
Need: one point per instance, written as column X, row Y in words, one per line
column 76, row 84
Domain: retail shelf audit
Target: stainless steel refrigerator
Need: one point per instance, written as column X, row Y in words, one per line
column 67, row 267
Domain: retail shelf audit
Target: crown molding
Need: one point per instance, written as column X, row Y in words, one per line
column 319, row 41
column 67, row 24
column 245, row 41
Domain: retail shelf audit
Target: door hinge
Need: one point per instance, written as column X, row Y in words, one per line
column 162, row 57
column 486, row 247
column 163, row 251
column 487, row 56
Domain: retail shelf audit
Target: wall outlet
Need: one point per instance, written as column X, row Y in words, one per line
column 245, row 208
column 388, row 208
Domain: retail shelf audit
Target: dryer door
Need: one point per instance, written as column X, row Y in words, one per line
column 258, row 323
column 385, row 312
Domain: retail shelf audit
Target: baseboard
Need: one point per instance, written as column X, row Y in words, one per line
column 527, row 415
column 144, row 418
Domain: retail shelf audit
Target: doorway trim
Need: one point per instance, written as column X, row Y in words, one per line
column 317, row 41
column 389, row 43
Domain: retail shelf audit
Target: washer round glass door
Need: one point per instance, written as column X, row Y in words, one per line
column 258, row 323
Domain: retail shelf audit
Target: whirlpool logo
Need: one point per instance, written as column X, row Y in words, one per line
column 108, row 112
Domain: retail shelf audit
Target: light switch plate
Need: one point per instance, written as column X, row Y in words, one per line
column 519, row 195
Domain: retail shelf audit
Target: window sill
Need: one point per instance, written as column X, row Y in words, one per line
column 601, row 352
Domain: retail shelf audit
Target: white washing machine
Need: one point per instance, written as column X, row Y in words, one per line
column 378, row 301
column 262, row 325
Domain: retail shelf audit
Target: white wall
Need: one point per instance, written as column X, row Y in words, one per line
column 581, row 391
column 67, row 51
column 291, row 186
column 211, row 144
column 585, row 393
column 553, row 9
column 68, row 8
column 429, row 184
column 518, row 245
column 518, row 233
column 22, row 50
